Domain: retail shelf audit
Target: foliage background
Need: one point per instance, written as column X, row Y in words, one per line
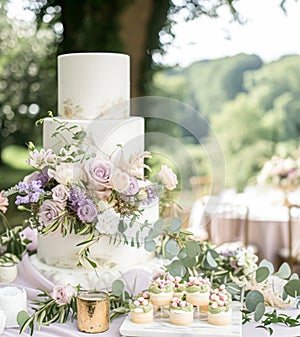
column 253, row 107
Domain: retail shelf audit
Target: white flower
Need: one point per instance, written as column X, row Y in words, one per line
column 167, row 177
column 41, row 159
column 66, row 173
column 102, row 206
column 108, row 222
column 120, row 181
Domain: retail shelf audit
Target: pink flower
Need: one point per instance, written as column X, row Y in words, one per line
column 120, row 181
column 3, row 203
column 167, row 177
column 30, row 234
column 98, row 173
column 63, row 294
column 49, row 211
column 60, row 193
column 40, row 159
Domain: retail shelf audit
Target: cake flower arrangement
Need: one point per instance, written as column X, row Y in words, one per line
column 283, row 172
column 87, row 194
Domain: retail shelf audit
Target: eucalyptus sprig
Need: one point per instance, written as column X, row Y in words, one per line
column 47, row 310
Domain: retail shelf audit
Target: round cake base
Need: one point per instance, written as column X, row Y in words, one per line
column 95, row 279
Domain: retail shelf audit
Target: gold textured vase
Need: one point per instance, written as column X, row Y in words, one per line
column 92, row 311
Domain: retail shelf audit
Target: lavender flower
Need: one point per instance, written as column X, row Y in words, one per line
column 133, row 187
column 32, row 190
column 77, row 196
column 87, row 211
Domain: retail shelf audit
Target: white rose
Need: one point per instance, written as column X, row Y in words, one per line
column 108, row 222
column 66, row 173
column 120, row 181
column 167, row 177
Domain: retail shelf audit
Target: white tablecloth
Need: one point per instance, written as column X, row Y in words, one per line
column 31, row 280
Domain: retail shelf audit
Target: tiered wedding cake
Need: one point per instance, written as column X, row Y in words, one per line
column 93, row 94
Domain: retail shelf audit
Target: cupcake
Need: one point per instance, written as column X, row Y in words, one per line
column 181, row 312
column 197, row 292
column 178, row 286
column 141, row 310
column 161, row 292
column 219, row 309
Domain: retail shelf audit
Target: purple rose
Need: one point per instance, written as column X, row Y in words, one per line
column 30, row 234
column 98, row 173
column 87, row 211
column 133, row 187
column 49, row 211
column 63, row 294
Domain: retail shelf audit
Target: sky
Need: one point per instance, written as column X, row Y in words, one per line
column 269, row 33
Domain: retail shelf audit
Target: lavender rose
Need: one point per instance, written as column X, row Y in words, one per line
column 167, row 177
column 98, row 173
column 30, row 234
column 133, row 187
column 60, row 193
column 49, row 211
column 63, row 294
column 87, row 211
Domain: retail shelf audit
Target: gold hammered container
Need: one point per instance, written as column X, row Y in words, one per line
column 92, row 311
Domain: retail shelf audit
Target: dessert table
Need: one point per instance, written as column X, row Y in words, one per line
column 31, row 280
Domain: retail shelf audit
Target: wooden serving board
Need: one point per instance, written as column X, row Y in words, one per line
column 200, row 328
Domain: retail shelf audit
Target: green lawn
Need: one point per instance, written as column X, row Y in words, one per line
column 13, row 171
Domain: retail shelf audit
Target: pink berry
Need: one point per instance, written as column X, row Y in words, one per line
column 145, row 302
column 221, row 303
column 136, row 303
column 174, row 304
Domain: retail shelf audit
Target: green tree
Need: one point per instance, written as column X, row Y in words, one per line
column 27, row 78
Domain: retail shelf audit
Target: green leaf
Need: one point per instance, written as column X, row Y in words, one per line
column 176, row 225
column 252, row 299
column 79, row 135
column 233, row 288
column 171, row 249
column 210, row 260
column 262, row 274
column 158, row 226
column 259, row 311
column 177, row 269
column 152, row 234
column 182, row 254
column 118, row 288
column 284, row 271
column 122, row 226
column 150, row 245
column 188, row 262
column 22, row 317
column 294, row 276
column 268, row 264
column 292, row 288
column 192, row 248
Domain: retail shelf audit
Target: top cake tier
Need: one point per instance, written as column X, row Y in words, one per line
column 93, row 86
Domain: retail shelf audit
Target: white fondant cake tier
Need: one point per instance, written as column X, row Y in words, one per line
column 89, row 84
column 56, row 250
column 92, row 279
column 102, row 135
